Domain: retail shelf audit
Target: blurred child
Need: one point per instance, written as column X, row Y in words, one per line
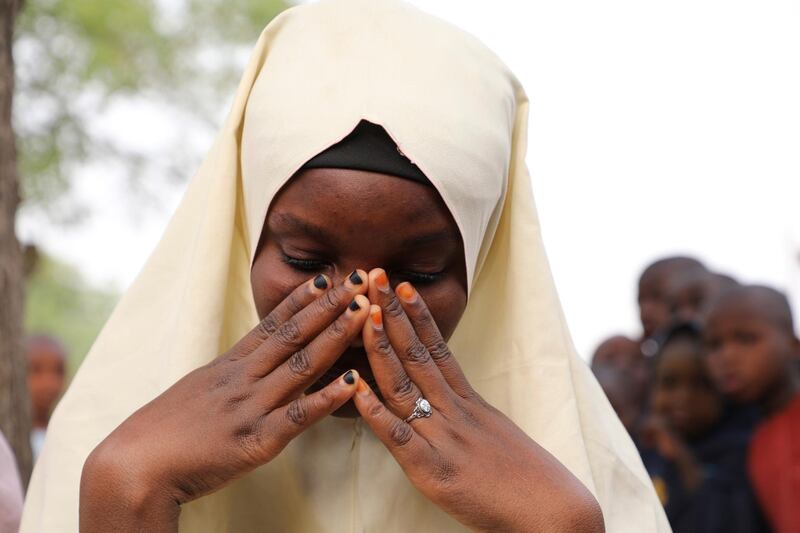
column 753, row 351
column 616, row 384
column 622, row 371
column 46, row 370
column 654, row 307
column 694, row 447
column 690, row 293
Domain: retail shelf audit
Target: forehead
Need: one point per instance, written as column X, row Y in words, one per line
column 680, row 353
column 343, row 199
column 741, row 311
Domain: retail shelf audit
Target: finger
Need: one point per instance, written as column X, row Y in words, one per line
column 309, row 363
column 397, row 389
column 428, row 332
column 285, row 423
column 299, row 298
column 301, row 328
column 409, row 349
column 407, row 446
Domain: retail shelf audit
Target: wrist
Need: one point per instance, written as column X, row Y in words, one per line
column 117, row 496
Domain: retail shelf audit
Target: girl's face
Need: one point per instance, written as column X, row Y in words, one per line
column 684, row 395
column 332, row 221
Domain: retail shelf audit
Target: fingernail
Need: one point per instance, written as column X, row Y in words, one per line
column 320, row 282
column 376, row 317
column 362, row 387
column 406, row 292
column 349, row 377
column 354, row 305
column 355, row 278
column 382, row 282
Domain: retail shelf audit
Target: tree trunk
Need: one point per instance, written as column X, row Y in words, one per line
column 14, row 408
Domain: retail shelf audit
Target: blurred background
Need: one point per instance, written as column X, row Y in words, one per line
column 656, row 129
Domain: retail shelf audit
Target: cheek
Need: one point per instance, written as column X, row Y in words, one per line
column 272, row 280
column 446, row 302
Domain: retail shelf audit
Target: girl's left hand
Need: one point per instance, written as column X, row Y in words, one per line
column 466, row 457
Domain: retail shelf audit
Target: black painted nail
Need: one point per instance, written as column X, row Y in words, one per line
column 320, row 282
column 355, row 279
column 349, row 378
column 354, row 306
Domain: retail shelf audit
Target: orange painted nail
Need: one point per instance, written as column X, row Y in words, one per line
column 382, row 281
column 406, row 292
column 362, row 387
column 377, row 317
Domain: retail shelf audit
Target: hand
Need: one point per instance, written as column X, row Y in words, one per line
column 467, row 457
column 228, row 417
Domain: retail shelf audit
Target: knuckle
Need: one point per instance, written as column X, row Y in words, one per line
column 233, row 403
column 375, row 410
column 246, row 435
column 300, row 363
column 425, row 320
column 400, row 433
column 383, row 346
column 416, row 352
column 329, row 301
column 440, row 351
column 393, row 308
column 403, row 387
column 268, row 327
column 289, row 333
column 297, row 413
column 336, row 331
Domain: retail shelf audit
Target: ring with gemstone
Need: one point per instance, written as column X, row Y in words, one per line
column 422, row 409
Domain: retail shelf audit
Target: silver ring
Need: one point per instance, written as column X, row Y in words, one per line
column 422, row 409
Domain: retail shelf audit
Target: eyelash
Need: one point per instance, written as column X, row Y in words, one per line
column 311, row 265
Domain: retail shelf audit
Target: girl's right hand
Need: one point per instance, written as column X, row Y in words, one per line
column 228, row 417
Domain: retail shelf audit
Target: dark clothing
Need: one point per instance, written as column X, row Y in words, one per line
column 724, row 502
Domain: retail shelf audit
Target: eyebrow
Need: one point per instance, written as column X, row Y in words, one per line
column 288, row 223
column 430, row 238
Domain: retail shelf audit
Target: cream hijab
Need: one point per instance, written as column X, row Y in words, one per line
column 456, row 111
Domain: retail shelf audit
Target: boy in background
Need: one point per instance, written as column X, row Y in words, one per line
column 694, row 446
column 654, row 306
column 753, row 354
column 690, row 293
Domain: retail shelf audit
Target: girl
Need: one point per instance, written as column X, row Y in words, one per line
column 366, row 215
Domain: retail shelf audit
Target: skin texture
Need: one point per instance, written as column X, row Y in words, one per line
column 752, row 348
column 654, row 305
column 468, row 458
column 46, row 369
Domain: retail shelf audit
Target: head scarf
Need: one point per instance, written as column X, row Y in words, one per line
column 454, row 109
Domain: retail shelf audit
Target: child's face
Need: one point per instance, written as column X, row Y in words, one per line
column 747, row 352
column 683, row 394
column 688, row 298
column 333, row 221
column 45, row 378
column 654, row 310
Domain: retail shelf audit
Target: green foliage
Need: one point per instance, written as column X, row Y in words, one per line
column 60, row 303
column 74, row 57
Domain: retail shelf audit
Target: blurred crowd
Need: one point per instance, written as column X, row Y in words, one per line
column 710, row 396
